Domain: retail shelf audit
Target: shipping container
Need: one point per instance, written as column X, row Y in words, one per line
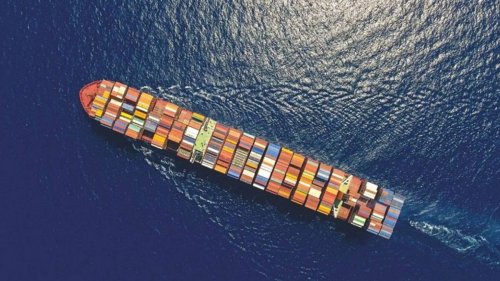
column 374, row 226
column 398, row 201
column 318, row 186
column 163, row 124
column 370, row 190
column 132, row 95
column 118, row 91
column 215, row 146
column 227, row 151
column 386, row 196
column 175, row 136
column 241, row 155
column 344, row 212
column 331, row 191
column 379, row 211
column 267, row 165
column 185, row 116
column 308, row 174
column 253, row 161
column 144, row 102
column 292, row 175
column 355, row 185
column 279, row 171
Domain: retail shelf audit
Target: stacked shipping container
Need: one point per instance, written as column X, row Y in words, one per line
column 241, row 155
column 215, row 146
column 253, row 160
column 226, row 155
column 279, row 171
column 292, row 175
column 267, row 166
column 318, row 186
column 300, row 194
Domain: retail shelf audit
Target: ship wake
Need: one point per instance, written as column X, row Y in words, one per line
column 478, row 246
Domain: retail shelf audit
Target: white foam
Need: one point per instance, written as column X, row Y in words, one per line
column 459, row 241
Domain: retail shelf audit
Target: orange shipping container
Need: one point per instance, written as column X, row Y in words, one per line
column 305, row 181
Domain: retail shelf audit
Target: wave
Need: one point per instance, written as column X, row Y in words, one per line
column 454, row 238
column 475, row 234
column 475, row 245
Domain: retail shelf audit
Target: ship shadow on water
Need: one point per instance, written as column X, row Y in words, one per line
column 112, row 137
column 251, row 195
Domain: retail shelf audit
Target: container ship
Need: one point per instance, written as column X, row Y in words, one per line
column 242, row 156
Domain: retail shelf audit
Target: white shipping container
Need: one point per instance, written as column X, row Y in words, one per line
column 267, row 168
column 154, row 118
column 143, row 109
column 264, row 173
column 124, row 119
column 116, row 103
column 371, row 186
column 338, row 176
column 191, row 132
column 248, row 173
column 188, row 142
column 378, row 216
column 258, row 186
column 255, row 155
column 369, row 194
column 307, row 185
column 212, row 150
column 314, row 192
column 208, row 164
column 260, row 146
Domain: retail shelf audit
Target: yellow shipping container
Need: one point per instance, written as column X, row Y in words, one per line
column 146, row 98
column 198, row 116
column 252, row 164
column 324, row 209
column 126, row 115
column 159, row 141
column 98, row 113
column 227, row 149
column 220, row 169
column 159, row 138
column 144, row 102
column 140, row 114
column 99, row 103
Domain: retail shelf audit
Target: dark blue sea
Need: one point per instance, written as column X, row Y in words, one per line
column 403, row 93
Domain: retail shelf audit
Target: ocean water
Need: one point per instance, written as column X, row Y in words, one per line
column 404, row 93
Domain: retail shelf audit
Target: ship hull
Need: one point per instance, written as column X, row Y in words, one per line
column 263, row 165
